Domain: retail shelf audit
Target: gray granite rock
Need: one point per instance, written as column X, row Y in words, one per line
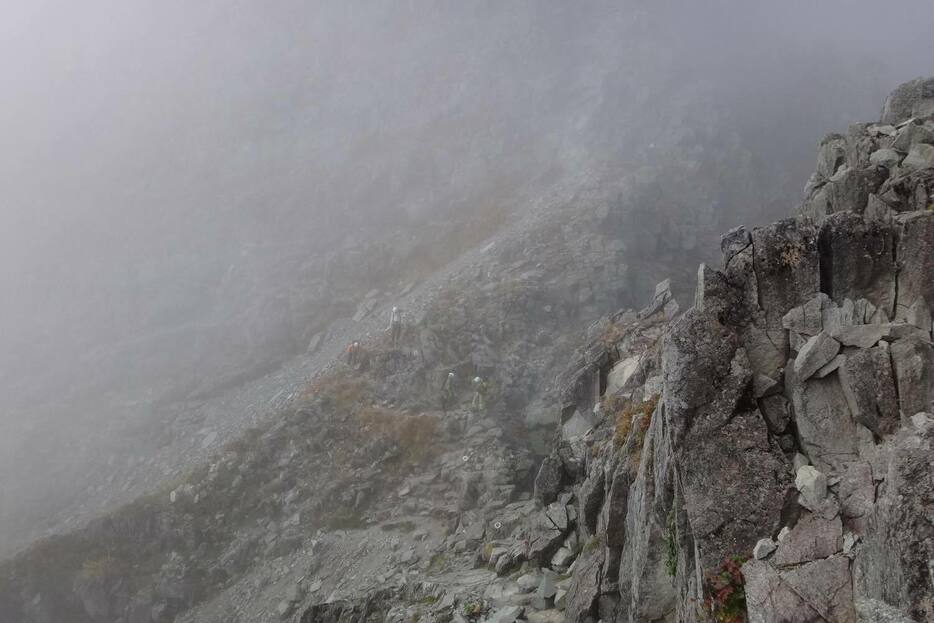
column 812, row 484
column 826, row 430
column 869, row 387
column 913, row 363
column 812, row 538
column 817, row 352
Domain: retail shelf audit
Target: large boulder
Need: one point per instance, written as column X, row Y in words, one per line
column 915, row 255
column 826, row 430
column 590, row 499
column 622, row 374
column 817, row 352
column 821, row 590
column 912, row 134
column 813, row 537
column 875, row 611
column 857, row 260
column 102, row 591
column 812, row 484
column 549, row 480
column 850, row 189
column 913, row 361
column 766, row 346
column 860, row 335
column 547, row 530
column 857, row 495
column 733, row 480
column 885, row 157
column 911, row 99
column 921, row 156
column 893, row 562
column 869, row 388
column 808, row 319
column 736, row 247
column 693, row 338
column 585, row 587
column 831, row 155
column 786, row 266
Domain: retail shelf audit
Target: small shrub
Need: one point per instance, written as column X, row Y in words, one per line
column 592, row 545
column 611, row 335
column 646, row 409
column 415, row 436
column 619, row 410
column 346, row 521
column 671, row 541
column 244, row 442
column 98, row 568
column 342, row 393
column 791, row 254
column 487, row 552
column 473, row 608
column 725, row 591
column 438, row 561
column 427, row 600
column 624, row 411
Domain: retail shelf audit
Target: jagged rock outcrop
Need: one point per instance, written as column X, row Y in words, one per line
column 912, row 99
column 794, row 413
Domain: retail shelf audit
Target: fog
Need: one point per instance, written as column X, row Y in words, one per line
column 172, row 168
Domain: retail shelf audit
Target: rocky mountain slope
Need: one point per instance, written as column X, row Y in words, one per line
column 505, row 311
column 290, row 192
column 764, row 456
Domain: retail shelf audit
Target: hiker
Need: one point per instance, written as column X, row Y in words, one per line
column 395, row 325
column 447, row 392
column 478, row 405
column 351, row 353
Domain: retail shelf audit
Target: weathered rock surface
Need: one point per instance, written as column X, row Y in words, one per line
column 812, row 485
column 869, row 388
column 817, row 352
column 786, row 408
column 912, row 99
column 913, row 361
column 812, row 538
column 819, row 590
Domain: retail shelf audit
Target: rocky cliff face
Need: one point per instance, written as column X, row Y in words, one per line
column 768, row 458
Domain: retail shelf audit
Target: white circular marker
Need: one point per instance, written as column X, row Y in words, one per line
column 498, row 525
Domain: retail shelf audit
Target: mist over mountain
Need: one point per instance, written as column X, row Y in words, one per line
column 194, row 192
column 154, row 145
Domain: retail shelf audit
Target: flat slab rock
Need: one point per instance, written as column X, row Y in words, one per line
column 826, row 430
column 817, row 591
column 861, row 335
column 817, row 352
column 812, row 538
